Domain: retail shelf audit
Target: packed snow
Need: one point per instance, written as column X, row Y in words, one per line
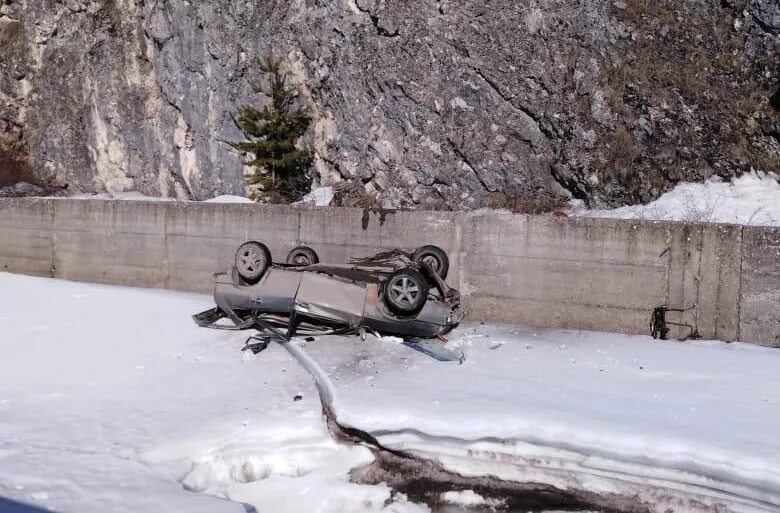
column 112, row 400
column 752, row 199
column 470, row 499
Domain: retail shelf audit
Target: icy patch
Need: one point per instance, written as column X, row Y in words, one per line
column 752, row 199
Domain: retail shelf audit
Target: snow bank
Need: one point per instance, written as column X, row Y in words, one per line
column 111, row 399
column 753, row 198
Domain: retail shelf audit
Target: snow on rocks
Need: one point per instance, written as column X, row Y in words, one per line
column 123, row 196
column 319, row 197
column 752, row 199
column 227, row 198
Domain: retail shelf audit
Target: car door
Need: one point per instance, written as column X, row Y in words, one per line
column 333, row 299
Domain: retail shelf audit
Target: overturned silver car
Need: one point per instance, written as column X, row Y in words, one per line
column 394, row 292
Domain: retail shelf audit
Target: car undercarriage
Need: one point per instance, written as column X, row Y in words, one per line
column 393, row 292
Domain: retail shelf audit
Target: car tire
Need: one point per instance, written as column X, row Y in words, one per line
column 302, row 255
column 405, row 291
column 252, row 260
column 435, row 257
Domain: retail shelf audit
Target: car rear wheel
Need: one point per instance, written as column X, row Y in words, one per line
column 406, row 291
column 435, row 257
column 252, row 260
column 302, row 255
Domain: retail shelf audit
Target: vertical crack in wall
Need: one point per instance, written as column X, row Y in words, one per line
column 741, row 278
column 669, row 243
column 298, row 239
column 697, row 277
column 167, row 263
column 720, row 267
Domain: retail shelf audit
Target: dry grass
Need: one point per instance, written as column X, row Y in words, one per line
column 14, row 170
column 542, row 204
column 688, row 67
column 352, row 194
column 623, row 149
column 674, row 59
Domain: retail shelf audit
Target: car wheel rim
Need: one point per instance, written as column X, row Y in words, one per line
column 404, row 291
column 301, row 260
column 250, row 261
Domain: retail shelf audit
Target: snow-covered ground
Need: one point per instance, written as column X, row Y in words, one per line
column 598, row 410
column 753, row 198
column 112, row 400
column 109, row 396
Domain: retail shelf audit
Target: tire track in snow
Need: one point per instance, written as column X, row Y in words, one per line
column 641, row 487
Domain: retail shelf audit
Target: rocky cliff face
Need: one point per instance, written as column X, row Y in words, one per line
column 436, row 104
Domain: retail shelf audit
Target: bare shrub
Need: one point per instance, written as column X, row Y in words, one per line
column 699, row 210
column 541, row 204
column 623, row 149
column 652, row 213
column 352, row 194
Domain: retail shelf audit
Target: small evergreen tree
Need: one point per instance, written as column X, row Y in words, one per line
column 272, row 134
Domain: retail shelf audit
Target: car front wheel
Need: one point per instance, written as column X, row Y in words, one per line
column 406, row 291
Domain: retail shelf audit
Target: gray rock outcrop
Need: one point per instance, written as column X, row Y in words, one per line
column 432, row 104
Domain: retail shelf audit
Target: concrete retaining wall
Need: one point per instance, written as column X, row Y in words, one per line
column 595, row 274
